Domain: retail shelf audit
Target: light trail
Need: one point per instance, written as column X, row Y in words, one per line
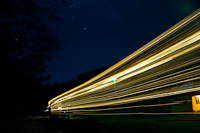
column 128, row 107
column 159, row 80
column 158, row 39
column 154, row 65
column 134, row 99
column 129, row 93
column 149, row 81
column 158, row 69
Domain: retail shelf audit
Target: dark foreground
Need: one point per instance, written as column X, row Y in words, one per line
column 43, row 124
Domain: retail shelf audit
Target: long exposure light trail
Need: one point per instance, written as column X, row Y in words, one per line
column 167, row 66
column 138, row 106
column 167, row 33
column 159, row 80
column 132, row 92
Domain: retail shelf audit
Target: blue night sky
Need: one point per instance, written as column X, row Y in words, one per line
column 98, row 33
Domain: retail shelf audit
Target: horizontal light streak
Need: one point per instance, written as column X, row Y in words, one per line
column 126, row 107
column 135, row 90
column 154, row 81
column 138, row 98
column 152, row 75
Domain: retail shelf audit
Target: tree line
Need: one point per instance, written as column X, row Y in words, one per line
column 26, row 45
column 58, row 88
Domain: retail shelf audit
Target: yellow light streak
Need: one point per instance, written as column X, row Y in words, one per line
column 161, row 37
column 129, row 83
column 142, row 88
column 189, row 40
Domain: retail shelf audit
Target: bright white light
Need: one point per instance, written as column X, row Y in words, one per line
column 114, row 78
column 69, row 97
column 47, row 110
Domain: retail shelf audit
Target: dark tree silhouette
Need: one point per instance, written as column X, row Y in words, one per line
column 58, row 88
column 26, row 39
column 26, row 44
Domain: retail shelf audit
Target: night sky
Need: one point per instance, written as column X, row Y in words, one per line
column 98, row 33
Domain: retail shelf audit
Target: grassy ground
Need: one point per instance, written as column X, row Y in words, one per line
column 28, row 125
column 153, row 124
column 44, row 124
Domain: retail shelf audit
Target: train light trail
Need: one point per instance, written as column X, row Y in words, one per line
column 159, row 69
column 114, row 79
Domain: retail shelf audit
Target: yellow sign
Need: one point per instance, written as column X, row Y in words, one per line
column 196, row 103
